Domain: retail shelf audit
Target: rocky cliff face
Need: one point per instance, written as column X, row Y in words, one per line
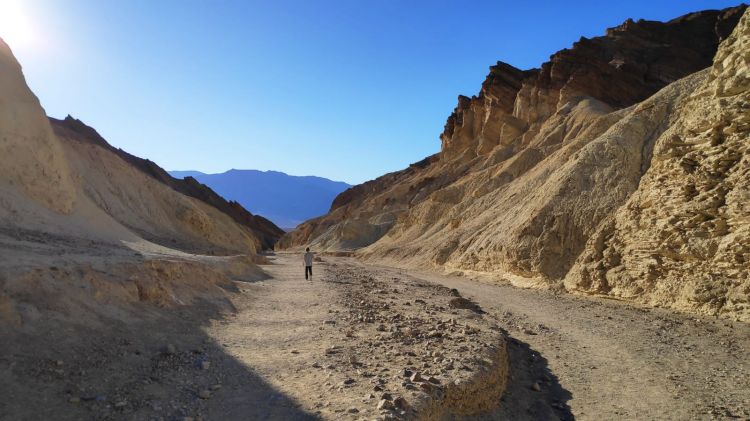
column 683, row 237
column 532, row 167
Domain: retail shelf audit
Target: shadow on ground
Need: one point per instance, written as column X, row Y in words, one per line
column 137, row 361
column 522, row 400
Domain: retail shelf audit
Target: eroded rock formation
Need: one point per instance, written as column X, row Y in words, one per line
column 534, row 168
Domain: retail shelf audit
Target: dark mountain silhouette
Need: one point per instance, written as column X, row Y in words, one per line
column 286, row 200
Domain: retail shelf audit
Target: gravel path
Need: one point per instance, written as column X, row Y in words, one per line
column 609, row 360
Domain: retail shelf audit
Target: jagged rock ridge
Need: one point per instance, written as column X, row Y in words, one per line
column 532, row 166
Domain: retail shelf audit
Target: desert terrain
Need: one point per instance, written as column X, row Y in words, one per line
column 349, row 343
column 578, row 249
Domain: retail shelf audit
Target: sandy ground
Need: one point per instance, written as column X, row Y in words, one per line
column 333, row 348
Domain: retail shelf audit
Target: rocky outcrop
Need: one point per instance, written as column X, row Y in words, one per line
column 682, row 239
column 533, row 166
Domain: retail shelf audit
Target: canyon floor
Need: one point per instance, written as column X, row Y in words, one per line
column 362, row 341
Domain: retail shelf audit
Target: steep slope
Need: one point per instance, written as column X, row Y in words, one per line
column 76, row 132
column 284, row 199
column 683, row 237
column 530, row 167
column 70, row 182
column 32, row 159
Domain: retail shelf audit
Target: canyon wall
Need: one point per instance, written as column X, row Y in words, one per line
column 534, row 168
column 59, row 177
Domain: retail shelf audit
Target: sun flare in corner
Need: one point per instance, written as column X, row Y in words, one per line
column 15, row 27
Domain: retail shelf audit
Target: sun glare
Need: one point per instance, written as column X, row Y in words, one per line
column 15, row 27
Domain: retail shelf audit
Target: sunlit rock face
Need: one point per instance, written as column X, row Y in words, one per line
column 31, row 158
column 534, row 167
column 683, row 237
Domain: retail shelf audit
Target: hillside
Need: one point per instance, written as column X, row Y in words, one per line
column 536, row 172
column 284, row 199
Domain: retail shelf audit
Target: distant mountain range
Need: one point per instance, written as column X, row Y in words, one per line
column 287, row 200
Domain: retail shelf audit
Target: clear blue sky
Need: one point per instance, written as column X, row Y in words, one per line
column 346, row 89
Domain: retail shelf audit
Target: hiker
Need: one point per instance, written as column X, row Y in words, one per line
column 308, row 262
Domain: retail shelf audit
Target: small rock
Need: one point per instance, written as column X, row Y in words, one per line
column 400, row 402
column 352, row 410
column 416, row 377
column 74, row 399
column 215, row 387
column 348, row 382
column 387, row 396
column 385, row 404
column 205, row 365
column 170, row 349
column 204, row 394
column 536, row 387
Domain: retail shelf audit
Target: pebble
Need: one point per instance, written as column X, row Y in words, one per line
column 205, row 365
column 385, row 404
column 536, row 387
column 204, row 394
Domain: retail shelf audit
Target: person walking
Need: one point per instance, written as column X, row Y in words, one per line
column 308, row 262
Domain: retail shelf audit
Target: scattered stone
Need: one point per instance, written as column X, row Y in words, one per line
column 352, row 410
column 205, row 365
column 461, row 303
column 170, row 349
column 536, row 387
column 385, row 404
column 74, row 399
column 416, row 377
column 204, row 394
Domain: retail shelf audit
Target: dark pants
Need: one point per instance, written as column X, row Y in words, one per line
column 308, row 269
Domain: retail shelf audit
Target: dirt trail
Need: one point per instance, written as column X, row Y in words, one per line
column 370, row 342
column 357, row 343
column 613, row 360
column 590, row 358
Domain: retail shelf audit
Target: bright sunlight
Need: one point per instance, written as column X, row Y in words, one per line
column 15, row 27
